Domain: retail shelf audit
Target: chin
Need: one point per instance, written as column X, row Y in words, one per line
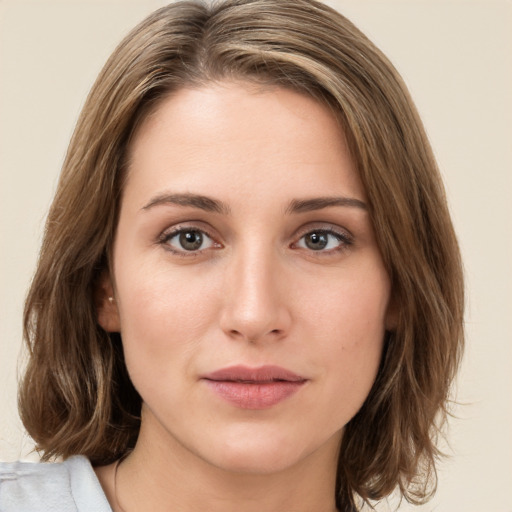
column 260, row 461
column 265, row 452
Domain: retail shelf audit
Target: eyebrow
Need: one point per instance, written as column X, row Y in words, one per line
column 209, row 204
column 318, row 203
column 192, row 200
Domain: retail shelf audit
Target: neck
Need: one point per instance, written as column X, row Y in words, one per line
column 166, row 477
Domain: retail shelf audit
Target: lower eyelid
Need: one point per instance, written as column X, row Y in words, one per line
column 342, row 237
column 166, row 236
column 344, row 240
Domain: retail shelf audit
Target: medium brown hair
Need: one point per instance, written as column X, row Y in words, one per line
column 76, row 396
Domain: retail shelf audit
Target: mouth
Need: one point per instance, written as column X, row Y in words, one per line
column 254, row 388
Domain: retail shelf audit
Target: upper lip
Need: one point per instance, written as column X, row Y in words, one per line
column 267, row 373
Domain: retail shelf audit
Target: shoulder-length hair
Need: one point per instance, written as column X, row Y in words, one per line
column 76, row 396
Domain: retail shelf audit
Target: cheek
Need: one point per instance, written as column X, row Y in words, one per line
column 155, row 296
column 351, row 310
column 347, row 323
column 351, row 343
column 350, row 360
column 164, row 316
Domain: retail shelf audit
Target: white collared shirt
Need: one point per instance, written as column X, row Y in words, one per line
column 69, row 486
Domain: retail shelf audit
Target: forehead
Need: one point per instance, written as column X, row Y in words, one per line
column 236, row 137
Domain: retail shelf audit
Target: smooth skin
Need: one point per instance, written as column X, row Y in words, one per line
column 243, row 239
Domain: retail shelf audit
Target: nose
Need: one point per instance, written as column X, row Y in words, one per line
column 255, row 306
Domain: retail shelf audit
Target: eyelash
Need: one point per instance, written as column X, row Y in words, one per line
column 344, row 239
column 166, row 237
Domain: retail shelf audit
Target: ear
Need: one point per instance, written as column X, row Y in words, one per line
column 106, row 305
column 391, row 320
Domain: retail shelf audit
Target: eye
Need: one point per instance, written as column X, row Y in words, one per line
column 187, row 240
column 324, row 240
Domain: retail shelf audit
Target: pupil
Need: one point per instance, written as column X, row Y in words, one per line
column 316, row 241
column 191, row 240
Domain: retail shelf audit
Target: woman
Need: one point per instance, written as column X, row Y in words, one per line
column 249, row 294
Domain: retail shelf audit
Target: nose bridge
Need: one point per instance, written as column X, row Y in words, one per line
column 254, row 307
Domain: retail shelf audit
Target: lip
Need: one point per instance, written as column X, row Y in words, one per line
column 254, row 388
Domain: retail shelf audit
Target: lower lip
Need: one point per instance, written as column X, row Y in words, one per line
column 254, row 395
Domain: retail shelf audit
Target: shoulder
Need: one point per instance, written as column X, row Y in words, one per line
column 69, row 486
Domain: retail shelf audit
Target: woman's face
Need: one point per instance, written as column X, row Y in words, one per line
column 250, row 292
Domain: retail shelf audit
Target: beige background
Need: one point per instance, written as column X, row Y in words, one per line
column 456, row 59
